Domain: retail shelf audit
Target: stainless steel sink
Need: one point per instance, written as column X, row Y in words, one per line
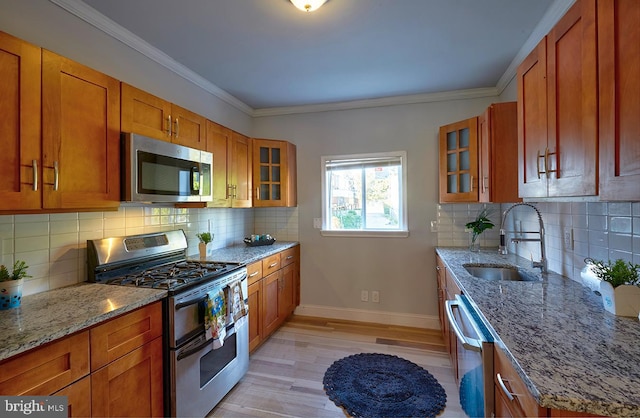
column 494, row 272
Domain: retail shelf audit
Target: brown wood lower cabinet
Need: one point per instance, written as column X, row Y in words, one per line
column 274, row 293
column 512, row 397
column 123, row 378
column 130, row 386
column 78, row 397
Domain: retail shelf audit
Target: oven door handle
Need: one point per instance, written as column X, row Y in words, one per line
column 194, row 350
column 190, row 302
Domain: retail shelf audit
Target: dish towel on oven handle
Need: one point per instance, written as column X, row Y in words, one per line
column 237, row 308
column 215, row 317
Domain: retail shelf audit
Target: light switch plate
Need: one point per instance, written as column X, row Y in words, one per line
column 568, row 238
column 317, row 223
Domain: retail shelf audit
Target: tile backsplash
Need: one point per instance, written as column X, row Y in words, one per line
column 600, row 230
column 54, row 245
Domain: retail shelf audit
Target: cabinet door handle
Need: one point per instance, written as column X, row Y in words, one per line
column 56, row 176
column 273, row 265
column 177, row 131
column 484, row 185
column 229, row 188
column 546, row 162
column 506, row 391
column 471, row 183
column 437, row 268
column 538, row 163
column 235, row 191
column 34, row 164
column 169, row 125
column 289, row 257
column 258, row 193
column 255, row 273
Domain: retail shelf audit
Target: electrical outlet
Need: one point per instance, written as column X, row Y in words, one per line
column 364, row 295
column 375, row 296
column 568, row 238
column 317, row 223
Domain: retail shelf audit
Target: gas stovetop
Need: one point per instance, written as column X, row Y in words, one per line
column 155, row 261
column 173, row 276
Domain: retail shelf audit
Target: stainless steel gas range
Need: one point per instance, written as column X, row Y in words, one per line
column 205, row 355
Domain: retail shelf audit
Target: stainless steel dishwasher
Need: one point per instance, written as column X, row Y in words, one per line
column 474, row 356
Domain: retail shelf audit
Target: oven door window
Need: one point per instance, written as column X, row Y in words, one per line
column 161, row 175
column 214, row 361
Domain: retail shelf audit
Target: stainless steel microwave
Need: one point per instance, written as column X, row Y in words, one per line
column 159, row 171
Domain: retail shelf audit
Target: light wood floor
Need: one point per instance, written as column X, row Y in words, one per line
column 285, row 374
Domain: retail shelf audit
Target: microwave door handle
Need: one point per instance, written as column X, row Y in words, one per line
column 195, row 180
column 468, row 343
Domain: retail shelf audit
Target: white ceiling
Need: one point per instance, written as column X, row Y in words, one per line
column 268, row 54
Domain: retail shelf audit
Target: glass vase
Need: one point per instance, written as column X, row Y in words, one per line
column 474, row 244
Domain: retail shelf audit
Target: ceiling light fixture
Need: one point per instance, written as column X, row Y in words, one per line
column 308, row 5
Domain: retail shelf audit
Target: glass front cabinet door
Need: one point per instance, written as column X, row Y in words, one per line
column 459, row 161
column 274, row 173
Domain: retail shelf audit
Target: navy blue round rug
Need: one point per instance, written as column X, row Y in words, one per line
column 380, row 385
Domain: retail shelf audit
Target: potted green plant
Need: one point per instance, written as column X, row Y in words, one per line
column 11, row 284
column 205, row 238
column 477, row 227
column 619, row 286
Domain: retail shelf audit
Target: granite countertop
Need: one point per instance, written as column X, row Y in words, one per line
column 244, row 254
column 54, row 314
column 570, row 352
column 47, row 316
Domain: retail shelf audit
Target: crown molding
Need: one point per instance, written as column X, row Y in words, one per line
column 386, row 101
column 553, row 14
column 108, row 26
column 96, row 19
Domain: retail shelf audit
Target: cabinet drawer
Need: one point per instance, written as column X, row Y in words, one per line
column 289, row 256
column 522, row 398
column 254, row 272
column 270, row 264
column 121, row 335
column 47, row 369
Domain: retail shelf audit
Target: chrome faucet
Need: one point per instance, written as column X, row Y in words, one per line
column 542, row 264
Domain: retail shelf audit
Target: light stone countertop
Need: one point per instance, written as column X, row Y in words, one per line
column 47, row 316
column 570, row 352
column 244, row 254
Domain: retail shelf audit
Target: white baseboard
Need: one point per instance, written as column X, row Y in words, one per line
column 378, row 317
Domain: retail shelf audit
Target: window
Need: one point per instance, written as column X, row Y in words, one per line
column 364, row 194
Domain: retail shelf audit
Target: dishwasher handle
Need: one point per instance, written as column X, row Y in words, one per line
column 467, row 342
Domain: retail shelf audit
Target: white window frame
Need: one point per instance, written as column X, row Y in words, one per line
column 402, row 230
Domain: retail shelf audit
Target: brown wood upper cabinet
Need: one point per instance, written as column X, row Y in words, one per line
column 80, row 136
column 459, row 161
column 20, row 91
column 274, row 173
column 148, row 115
column 498, row 153
column 231, row 167
column 558, row 109
column 619, row 88
column 61, row 132
column 478, row 157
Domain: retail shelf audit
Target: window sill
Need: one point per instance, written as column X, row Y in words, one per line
column 365, row 234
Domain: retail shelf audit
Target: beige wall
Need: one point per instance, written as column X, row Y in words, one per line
column 336, row 269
